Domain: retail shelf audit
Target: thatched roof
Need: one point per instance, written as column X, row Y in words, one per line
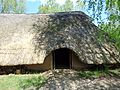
column 28, row 39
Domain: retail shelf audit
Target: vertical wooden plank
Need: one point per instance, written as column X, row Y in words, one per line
column 53, row 60
column 70, row 58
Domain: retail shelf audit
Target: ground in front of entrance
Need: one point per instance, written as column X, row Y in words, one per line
column 69, row 80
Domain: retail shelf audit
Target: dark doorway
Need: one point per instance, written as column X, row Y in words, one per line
column 61, row 58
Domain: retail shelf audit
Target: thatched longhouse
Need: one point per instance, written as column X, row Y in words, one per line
column 47, row 41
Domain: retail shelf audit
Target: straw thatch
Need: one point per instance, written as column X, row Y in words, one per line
column 28, row 39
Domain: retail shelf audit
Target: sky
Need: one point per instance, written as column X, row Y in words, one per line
column 32, row 6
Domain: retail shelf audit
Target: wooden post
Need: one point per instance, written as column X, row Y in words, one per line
column 70, row 59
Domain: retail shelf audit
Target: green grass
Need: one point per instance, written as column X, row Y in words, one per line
column 99, row 73
column 115, row 72
column 17, row 82
column 91, row 74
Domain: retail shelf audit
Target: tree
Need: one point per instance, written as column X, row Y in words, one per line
column 12, row 6
column 68, row 6
column 98, row 7
column 20, row 6
column 51, row 6
column 111, row 28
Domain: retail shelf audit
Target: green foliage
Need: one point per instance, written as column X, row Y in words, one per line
column 110, row 30
column 111, row 33
column 52, row 6
column 68, row 6
column 113, row 4
column 100, row 71
column 34, row 81
column 49, row 7
column 99, row 7
column 20, row 6
column 12, row 6
column 92, row 74
column 115, row 72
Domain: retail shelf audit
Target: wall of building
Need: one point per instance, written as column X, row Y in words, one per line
column 47, row 65
column 76, row 62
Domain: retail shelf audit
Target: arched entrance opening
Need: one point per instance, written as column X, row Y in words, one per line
column 62, row 58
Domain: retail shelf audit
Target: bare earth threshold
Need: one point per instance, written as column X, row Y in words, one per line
column 69, row 80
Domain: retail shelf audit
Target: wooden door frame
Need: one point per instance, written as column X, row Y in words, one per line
column 53, row 60
column 70, row 58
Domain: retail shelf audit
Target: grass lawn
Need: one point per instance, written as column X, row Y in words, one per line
column 17, row 82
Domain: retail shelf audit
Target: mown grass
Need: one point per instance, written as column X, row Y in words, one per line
column 18, row 82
